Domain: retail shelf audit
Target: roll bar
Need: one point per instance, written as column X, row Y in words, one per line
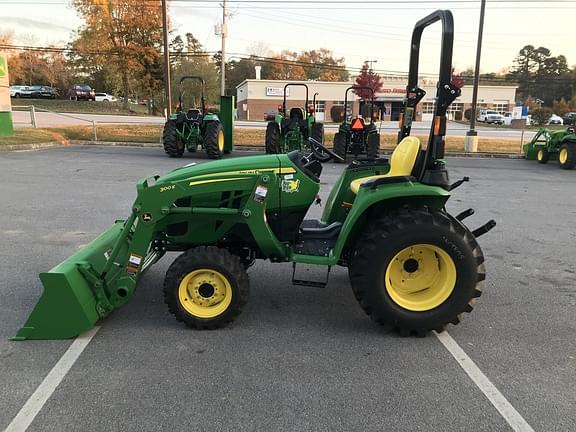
column 359, row 88
column 446, row 93
column 203, row 90
column 284, row 101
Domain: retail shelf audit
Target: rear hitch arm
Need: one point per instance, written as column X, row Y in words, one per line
column 458, row 183
column 484, row 228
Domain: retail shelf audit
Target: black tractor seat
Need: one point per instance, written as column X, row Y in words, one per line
column 193, row 114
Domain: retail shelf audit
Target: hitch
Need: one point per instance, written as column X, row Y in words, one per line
column 458, row 183
column 484, row 228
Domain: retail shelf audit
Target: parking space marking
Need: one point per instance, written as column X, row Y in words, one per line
column 505, row 408
column 34, row 404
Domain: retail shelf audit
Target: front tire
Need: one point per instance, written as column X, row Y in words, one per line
column 173, row 145
column 214, row 140
column 318, row 132
column 272, row 141
column 206, row 287
column 416, row 271
column 340, row 146
column 567, row 155
column 542, row 156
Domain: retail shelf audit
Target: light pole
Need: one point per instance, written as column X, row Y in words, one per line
column 224, row 32
column 167, row 84
column 471, row 140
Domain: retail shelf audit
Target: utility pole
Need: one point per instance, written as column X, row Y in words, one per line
column 471, row 140
column 371, row 61
column 223, row 33
column 167, row 82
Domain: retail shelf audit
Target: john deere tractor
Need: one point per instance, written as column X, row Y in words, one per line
column 356, row 136
column 547, row 144
column 290, row 130
column 190, row 128
column 413, row 266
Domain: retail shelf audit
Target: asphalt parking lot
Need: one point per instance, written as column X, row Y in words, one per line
column 298, row 358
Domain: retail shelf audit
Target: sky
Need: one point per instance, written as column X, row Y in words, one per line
column 356, row 30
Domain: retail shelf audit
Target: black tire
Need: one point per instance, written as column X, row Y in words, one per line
column 272, row 141
column 567, row 155
column 214, row 140
column 340, row 146
column 542, row 155
column 318, row 132
column 446, row 243
column 173, row 145
column 214, row 264
column 373, row 145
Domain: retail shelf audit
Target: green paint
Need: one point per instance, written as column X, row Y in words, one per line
column 6, row 125
column 3, row 67
column 549, row 140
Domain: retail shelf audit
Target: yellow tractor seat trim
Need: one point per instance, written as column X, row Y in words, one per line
column 401, row 162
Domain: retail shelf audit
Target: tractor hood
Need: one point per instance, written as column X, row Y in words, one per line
column 234, row 166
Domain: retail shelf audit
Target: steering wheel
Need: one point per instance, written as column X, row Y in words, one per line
column 321, row 153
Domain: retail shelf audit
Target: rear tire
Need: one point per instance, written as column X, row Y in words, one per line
column 340, row 146
column 416, row 270
column 206, row 287
column 272, row 142
column 567, row 155
column 214, row 140
column 173, row 145
column 542, row 156
column 373, row 146
column 318, row 132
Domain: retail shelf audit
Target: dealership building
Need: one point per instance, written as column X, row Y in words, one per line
column 255, row 97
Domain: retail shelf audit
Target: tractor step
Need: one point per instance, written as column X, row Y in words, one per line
column 317, row 238
column 308, row 283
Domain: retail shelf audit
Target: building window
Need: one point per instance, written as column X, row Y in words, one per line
column 501, row 107
column 428, row 108
column 321, row 106
column 455, row 107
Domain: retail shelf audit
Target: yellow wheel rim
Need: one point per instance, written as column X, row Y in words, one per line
column 563, row 156
column 420, row 277
column 221, row 141
column 540, row 155
column 205, row 293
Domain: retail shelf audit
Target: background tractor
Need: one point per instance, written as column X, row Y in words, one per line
column 357, row 136
column 290, row 130
column 547, row 144
column 190, row 128
column 412, row 266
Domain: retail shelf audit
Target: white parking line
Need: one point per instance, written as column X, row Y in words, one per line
column 33, row 405
column 513, row 417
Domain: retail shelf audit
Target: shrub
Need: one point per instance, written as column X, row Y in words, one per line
column 337, row 113
column 541, row 115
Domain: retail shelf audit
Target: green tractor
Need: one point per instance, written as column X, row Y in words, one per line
column 357, row 136
column 290, row 131
column 413, row 266
column 548, row 144
column 193, row 127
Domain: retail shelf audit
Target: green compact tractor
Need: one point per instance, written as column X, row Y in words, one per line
column 290, row 130
column 548, row 144
column 413, row 266
column 193, row 127
column 357, row 136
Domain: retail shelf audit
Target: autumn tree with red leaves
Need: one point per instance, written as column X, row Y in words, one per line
column 367, row 78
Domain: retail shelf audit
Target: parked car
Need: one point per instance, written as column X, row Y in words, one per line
column 490, row 116
column 104, row 97
column 81, row 92
column 16, row 90
column 507, row 118
column 554, row 119
column 39, row 92
column 570, row 118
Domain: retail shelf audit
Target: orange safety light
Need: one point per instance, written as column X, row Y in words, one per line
column 357, row 124
column 401, row 121
column 437, row 125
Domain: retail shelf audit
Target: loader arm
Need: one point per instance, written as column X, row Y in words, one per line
column 103, row 275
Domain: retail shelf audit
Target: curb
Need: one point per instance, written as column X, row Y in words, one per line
column 41, row 146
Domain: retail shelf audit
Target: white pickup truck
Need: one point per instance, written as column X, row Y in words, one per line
column 490, row 116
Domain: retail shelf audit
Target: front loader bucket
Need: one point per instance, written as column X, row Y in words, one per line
column 68, row 305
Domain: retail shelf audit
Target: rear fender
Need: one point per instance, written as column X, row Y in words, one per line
column 371, row 203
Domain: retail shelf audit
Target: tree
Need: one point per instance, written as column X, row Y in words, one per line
column 285, row 67
column 324, row 66
column 367, row 78
column 121, row 41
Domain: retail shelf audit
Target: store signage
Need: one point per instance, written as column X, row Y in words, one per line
column 277, row 91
